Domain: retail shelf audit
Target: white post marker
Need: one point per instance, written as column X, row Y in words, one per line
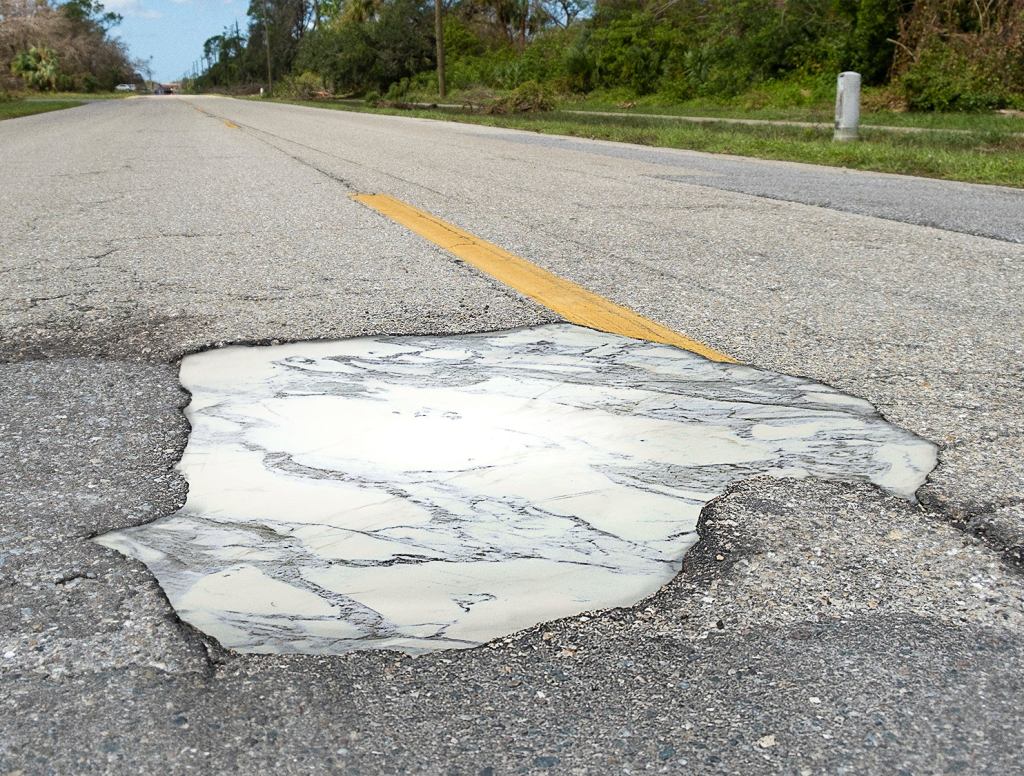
column 847, row 106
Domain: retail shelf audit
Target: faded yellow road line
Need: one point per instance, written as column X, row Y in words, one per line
column 569, row 300
column 227, row 123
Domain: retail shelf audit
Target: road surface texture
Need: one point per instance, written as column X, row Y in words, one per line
column 817, row 627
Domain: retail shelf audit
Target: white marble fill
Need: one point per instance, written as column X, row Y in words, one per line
column 422, row 493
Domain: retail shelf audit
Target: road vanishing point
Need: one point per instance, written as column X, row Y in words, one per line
column 816, row 626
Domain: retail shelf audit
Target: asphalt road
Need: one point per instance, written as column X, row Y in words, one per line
column 818, row 627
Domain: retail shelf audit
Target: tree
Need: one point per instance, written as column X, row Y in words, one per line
column 276, row 28
column 564, row 12
column 77, row 35
column 39, row 68
column 372, row 47
column 224, row 56
column 91, row 13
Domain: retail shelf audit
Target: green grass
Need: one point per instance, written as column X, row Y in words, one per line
column 983, row 156
column 811, row 101
column 79, row 96
column 972, row 122
column 14, row 109
column 802, row 100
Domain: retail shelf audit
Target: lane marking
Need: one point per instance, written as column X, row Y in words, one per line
column 227, row 122
column 569, row 300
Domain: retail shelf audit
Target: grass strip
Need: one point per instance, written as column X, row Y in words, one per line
column 18, row 108
column 987, row 155
column 1009, row 122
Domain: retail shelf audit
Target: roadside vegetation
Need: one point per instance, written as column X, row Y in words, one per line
column 995, row 157
column 757, row 105
column 741, row 55
column 950, row 65
column 53, row 53
column 13, row 109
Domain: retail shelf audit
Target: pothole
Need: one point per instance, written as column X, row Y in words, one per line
column 424, row 493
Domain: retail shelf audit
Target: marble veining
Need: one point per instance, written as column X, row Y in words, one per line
column 423, row 493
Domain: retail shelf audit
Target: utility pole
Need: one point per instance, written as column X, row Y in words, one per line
column 442, row 91
column 233, row 56
column 266, row 40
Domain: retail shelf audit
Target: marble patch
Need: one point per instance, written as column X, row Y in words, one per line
column 423, row 493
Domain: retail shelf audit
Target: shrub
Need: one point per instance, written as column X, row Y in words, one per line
column 578, row 68
column 356, row 55
column 305, row 86
column 947, row 79
column 961, row 56
column 630, row 52
column 530, row 97
column 38, row 68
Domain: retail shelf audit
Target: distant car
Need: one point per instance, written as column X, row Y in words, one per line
column 125, row 88
column 162, row 90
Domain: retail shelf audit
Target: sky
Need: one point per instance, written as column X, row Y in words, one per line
column 171, row 32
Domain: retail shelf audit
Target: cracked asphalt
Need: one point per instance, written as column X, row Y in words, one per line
column 817, row 627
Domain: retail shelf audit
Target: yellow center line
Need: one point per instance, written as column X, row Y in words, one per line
column 569, row 300
column 227, row 123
